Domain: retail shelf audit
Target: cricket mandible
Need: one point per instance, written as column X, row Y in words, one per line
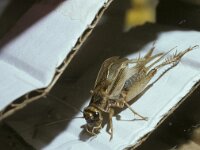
column 117, row 84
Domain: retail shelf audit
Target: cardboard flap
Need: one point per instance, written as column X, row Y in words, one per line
column 36, row 51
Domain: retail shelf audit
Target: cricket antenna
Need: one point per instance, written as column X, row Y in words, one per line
column 63, row 102
column 56, row 122
column 38, row 126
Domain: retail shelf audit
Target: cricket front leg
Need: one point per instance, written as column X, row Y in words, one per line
column 110, row 130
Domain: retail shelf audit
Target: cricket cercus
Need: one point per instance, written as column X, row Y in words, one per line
column 117, row 84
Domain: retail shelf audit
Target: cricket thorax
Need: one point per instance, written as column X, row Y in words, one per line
column 99, row 102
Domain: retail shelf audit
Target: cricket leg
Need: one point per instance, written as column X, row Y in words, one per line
column 147, row 58
column 120, row 104
column 124, row 100
column 110, row 131
column 175, row 59
column 134, row 112
column 149, row 53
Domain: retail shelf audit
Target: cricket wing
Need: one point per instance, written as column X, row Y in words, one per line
column 109, row 72
column 123, row 76
column 103, row 72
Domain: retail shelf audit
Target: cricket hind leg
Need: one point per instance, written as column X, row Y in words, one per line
column 174, row 60
column 134, row 112
column 147, row 57
column 122, row 102
column 142, row 62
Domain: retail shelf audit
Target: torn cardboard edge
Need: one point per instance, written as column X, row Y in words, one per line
column 145, row 137
column 36, row 94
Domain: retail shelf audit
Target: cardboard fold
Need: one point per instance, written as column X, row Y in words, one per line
column 36, row 94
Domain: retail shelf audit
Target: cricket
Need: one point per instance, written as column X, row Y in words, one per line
column 118, row 83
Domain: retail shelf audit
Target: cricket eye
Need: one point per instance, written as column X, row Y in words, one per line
column 96, row 115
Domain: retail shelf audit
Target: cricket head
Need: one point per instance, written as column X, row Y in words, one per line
column 94, row 118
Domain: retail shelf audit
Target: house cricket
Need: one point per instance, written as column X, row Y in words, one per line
column 117, row 84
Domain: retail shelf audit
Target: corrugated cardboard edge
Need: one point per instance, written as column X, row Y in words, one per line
column 36, row 94
column 142, row 139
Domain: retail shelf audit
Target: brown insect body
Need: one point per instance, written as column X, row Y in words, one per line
column 117, row 83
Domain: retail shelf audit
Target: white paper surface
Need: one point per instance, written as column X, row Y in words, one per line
column 29, row 60
column 154, row 104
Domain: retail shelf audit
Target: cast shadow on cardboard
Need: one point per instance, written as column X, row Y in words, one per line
column 16, row 9
column 11, row 12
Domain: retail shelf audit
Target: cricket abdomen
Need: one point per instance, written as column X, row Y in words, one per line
column 135, row 85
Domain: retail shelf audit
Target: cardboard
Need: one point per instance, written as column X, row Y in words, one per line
column 156, row 103
column 36, row 51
